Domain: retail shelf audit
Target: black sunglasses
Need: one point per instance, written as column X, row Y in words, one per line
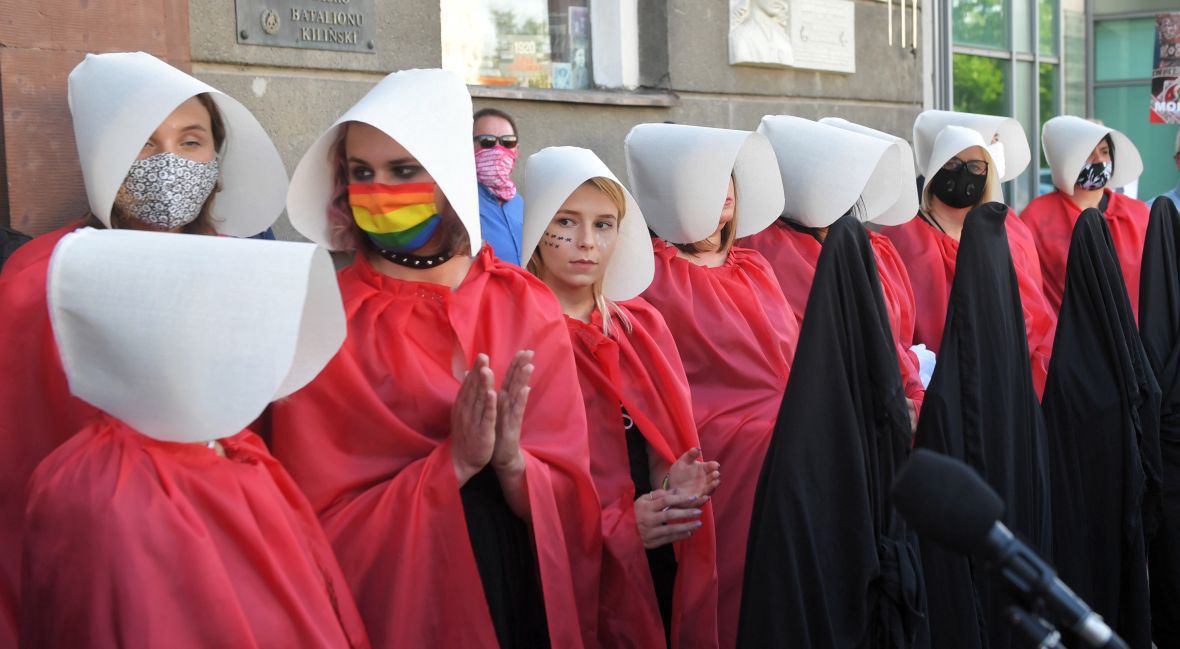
column 489, row 141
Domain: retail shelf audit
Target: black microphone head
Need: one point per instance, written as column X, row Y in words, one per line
column 946, row 501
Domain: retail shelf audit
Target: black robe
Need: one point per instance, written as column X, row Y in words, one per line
column 829, row 562
column 1101, row 407
column 1159, row 328
column 10, row 240
column 981, row 408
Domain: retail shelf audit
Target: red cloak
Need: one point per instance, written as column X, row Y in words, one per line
column 133, row 542
column 632, row 369
column 368, row 441
column 736, row 336
column 38, row 411
column 929, row 256
column 793, row 255
column 1051, row 218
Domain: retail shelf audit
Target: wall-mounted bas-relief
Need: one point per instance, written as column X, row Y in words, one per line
column 758, row 33
column 809, row 34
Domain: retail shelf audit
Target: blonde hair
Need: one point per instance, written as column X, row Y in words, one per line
column 606, row 308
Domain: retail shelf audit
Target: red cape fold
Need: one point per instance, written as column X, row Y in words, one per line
column 1051, row 219
column 39, row 411
column 368, row 441
column 736, row 336
column 133, row 542
column 793, row 255
column 929, row 256
column 632, row 369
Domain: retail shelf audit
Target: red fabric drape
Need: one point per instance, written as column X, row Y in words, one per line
column 793, row 256
column 133, row 542
column 736, row 336
column 631, row 368
column 1050, row 219
column 929, row 256
column 37, row 411
column 368, row 441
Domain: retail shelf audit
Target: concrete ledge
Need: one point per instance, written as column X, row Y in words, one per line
column 645, row 99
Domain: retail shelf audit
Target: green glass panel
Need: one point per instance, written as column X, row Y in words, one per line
column 1026, row 114
column 980, row 23
column 1022, row 25
column 1048, row 27
column 1075, row 63
column 1125, row 108
column 980, row 84
column 1048, row 92
column 1048, row 109
column 1123, row 49
column 1129, row 6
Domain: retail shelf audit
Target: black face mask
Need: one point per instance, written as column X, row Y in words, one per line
column 958, row 188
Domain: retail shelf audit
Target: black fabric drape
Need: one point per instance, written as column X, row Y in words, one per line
column 1101, row 407
column 1159, row 328
column 829, row 563
column 10, row 240
column 981, row 408
column 507, row 564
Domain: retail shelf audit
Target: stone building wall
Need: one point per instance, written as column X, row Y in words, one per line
column 296, row 93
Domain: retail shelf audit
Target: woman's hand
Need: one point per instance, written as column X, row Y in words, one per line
column 665, row 516
column 693, row 477
column 514, row 395
column 473, row 421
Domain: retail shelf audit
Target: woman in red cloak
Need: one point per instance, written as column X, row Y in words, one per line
column 885, row 195
column 1082, row 156
column 162, row 522
column 134, row 115
column 733, row 328
column 965, row 157
column 464, row 518
column 585, row 237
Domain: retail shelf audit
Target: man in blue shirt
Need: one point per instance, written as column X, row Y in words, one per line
column 1174, row 194
column 501, row 210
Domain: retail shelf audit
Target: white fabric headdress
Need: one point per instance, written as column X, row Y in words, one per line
column 185, row 337
column 117, row 102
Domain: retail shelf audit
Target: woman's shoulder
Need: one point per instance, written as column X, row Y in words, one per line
column 1132, row 207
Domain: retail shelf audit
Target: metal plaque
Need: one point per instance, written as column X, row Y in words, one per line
column 341, row 25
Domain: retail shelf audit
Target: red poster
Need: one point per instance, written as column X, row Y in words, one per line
column 1165, row 75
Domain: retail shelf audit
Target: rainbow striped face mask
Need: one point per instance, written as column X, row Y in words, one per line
column 396, row 218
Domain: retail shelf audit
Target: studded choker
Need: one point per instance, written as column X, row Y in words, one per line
column 415, row 261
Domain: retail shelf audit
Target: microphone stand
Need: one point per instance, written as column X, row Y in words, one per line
column 1036, row 631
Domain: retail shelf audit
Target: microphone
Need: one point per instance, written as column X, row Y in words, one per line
column 947, row 502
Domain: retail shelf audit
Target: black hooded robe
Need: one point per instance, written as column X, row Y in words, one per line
column 1101, row 407
column 829, row 563
column 1159, row 328
column 981, row 408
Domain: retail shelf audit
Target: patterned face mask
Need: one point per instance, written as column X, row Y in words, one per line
column 493, row 169
column 1095, row 175
column 396, row 218
column 167, row 191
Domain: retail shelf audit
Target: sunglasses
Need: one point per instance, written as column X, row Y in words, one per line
column 489, row 141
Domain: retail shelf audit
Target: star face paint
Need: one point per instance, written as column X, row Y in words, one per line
column 396, row 218
column 552, row 240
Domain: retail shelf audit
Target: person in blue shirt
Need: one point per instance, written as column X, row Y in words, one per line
column 501, row 209
column 1174, row 193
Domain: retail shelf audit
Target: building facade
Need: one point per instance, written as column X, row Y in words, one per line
column 583, row 72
